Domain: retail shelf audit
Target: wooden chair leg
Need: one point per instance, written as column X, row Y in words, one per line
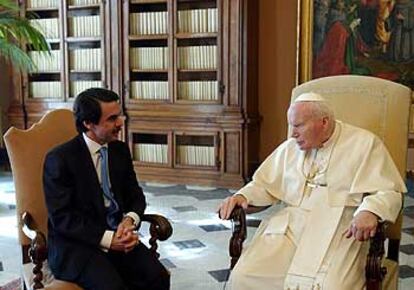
column 37, row 250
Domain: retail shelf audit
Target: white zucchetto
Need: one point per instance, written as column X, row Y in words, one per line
column 309, row 97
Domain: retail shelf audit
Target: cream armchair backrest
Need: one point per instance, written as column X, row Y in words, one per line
column 27, row 150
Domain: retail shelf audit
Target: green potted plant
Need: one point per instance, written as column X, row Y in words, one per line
column 16, row 31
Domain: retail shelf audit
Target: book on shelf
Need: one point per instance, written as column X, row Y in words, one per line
column 153, row 153
column 88, row 59
column 198, row 21
column 84, row 2
column 49, row 89
column 42, row 3
column 195, row 155
column 197, row 57
column 146, row 23
column 149, row 57
column 198, row 90
column 149, row 90
column 85, row 26
column 56, row 3
column 48, row 26
column 46, row 62
column 77, row 87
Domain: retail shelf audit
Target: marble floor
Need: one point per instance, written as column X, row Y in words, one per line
column 196, row 254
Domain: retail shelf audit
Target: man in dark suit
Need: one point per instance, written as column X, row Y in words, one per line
column 93, row 214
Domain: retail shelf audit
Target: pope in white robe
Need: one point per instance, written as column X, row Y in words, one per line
column 337, row 181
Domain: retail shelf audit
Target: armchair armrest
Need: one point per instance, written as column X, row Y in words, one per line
column 374, row 272
column 37, row 250
column 238, row 216
column 160, row 229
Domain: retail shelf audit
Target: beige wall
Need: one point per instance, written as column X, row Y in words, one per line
column 277, row 69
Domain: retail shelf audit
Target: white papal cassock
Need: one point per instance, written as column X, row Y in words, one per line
column 303, row 245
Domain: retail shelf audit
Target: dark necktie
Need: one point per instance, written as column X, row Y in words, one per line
column 113, row 208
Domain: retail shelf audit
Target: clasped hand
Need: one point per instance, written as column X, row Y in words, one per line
column 363, row 226
column 125, row 239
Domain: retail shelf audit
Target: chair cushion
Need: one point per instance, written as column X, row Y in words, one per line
column 49, row 282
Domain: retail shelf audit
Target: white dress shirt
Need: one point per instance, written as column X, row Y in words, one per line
column 94, row 148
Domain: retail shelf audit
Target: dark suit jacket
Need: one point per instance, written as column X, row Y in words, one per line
column 74, row 199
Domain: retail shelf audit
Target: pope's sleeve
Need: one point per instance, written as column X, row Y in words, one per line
column 386, row 184
column 264, row 189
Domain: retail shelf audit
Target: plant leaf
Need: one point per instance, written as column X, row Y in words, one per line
column 18, row 31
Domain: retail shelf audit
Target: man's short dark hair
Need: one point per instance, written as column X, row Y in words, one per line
column 87, row 106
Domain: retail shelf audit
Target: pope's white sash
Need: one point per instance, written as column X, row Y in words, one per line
column 322, row 223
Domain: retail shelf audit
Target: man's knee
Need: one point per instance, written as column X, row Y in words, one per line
column 151, row 275
column 107, row 281
column 162, row 282
column 100, row 273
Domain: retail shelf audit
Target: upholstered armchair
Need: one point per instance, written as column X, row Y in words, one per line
column 382, row 107
column 27, row 150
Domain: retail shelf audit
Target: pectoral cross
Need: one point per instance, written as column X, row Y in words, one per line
column 314, row 178
column 309, row 184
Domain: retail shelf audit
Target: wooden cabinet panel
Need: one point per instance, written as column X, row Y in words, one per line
column 232, row 152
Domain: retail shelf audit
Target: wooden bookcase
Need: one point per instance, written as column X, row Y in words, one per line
column 186, row 71
column 78, row 36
